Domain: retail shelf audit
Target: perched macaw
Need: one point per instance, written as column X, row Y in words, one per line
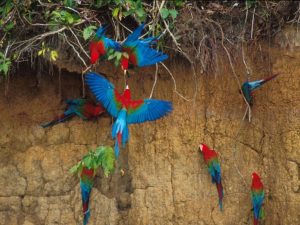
column 101, row 44
column 211, row 159
column 123, row 108
column 257, row 196
column 249, row 87
column 138, row 52
column 83, row 108
column 86, row 185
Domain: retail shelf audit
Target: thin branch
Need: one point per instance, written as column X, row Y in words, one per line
column 174, row 81
column 79, row 44
column 155, row 80
column 75, row 50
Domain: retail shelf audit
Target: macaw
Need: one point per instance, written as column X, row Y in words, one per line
column 83, row 108
column 101, row 44
column 211, row 159
column 125, row 110
column 138, row 52
column 257, row 196
column 249, row 87
column 86, row 184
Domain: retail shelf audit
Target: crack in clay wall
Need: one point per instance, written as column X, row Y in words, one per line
column 166, row 181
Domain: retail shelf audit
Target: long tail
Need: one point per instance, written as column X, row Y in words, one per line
column 255, row 221
column 220, row 194
column 117, row 144
column 269, row 78
column 86, row 184
column 60, row 119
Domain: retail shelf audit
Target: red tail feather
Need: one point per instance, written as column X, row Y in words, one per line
column 255, row 221
column 270, row 77
column 220, row 194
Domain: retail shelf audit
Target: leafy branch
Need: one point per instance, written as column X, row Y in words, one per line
column 103, row 157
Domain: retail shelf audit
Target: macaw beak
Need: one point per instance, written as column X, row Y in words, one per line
column 201, row 147
column 127, row 87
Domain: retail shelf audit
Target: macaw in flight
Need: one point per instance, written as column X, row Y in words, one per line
column 100, row 45
column 125, row 110
column 138, row 52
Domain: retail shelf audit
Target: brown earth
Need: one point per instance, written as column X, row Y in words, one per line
column 165, row 181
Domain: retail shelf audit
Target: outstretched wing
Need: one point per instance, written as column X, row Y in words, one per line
column 143, row 55
column 147, row 110
column 134, row 36
column 105, row 92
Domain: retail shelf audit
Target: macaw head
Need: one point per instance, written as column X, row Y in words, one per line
column 203, row 147
column 255, row 176
column 256, row 182
column 127, row 93
column 124, row 63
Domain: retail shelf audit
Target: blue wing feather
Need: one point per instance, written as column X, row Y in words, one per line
column 101, row 30
column 147, row 56
column 134, row 35
column 149, row 110
column 104, row 91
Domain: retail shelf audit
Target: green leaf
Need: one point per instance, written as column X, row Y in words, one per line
column 69, row 3
column 164, row 12
column 75, row 168
column 9, row 26
column 250, row 3
column 173, row 13
column 88, row 32
column 53, row 55
column 115, row 12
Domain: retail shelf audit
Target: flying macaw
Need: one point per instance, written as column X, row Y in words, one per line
column 138, row 52
column 125, row 110
column 83, row 108
column 257, row 196
column 86, row 185
column 101, row 44
column 211, row 159
column 249, row 87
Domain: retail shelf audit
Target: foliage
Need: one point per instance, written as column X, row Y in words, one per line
column 45, row 51
column 189, row 27
column 4, row 64
column 103, row 157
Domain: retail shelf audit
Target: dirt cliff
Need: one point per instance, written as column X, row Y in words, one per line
column 165, row 181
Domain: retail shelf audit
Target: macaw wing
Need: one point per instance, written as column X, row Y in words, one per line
column 109, row 43
column 134, row 35
column 101, row 30
column 147, row 110
column 217, row 169
column 78, row 101
column 143, row 55
column 105, row 92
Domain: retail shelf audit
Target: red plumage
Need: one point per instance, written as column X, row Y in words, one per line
column 92, row 111
column 208, row 154
column 256, row 182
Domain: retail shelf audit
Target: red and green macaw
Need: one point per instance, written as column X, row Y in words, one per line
column 211, row 159
column 83, row 108
column 249, row 87
column 138, row 52
column 100, row 45
column 86, row 184
column 257, row 196
column 125, row 110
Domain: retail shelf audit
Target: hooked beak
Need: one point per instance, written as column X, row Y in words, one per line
column 201, row 147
